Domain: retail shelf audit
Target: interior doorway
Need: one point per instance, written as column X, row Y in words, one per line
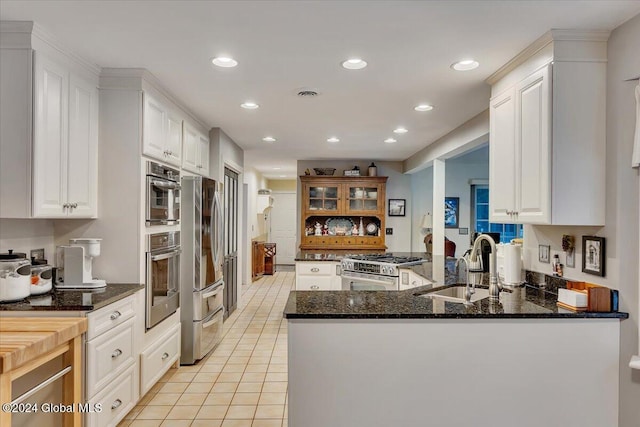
column 283, row 226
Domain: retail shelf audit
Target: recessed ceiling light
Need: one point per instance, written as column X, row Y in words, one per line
column 283, row 176
column 269, row 139
column 333, row 140
column 276, row 169
column 224, row 62
column 249, row 105
column 354, row 64
column 423, row 107
column 400, row 130
column 389, row 140
column 465, row 65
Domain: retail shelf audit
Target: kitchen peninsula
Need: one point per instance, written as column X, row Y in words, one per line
column 363, row 358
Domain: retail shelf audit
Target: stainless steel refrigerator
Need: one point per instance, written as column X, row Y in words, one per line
column 201, row 282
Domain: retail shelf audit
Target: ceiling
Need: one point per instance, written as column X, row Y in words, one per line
column 282, row 46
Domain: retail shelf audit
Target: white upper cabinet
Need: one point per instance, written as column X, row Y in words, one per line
column 65, row 142
column 195, row 152
column 519, row 152
column 547, row 132
column 48, row 128
column 162, row 132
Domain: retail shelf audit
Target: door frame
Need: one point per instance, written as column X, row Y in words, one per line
column 295, row 231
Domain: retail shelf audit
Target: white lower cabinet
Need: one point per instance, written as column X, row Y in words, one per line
column 318, row 276
column 158, row 357
column 116, row 400
column 109, row 355
column 111, row 361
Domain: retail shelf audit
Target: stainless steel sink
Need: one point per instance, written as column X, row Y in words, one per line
column 455, row 293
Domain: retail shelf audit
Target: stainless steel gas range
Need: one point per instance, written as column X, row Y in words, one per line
column 379, row 272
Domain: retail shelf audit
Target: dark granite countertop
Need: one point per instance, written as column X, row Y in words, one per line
column 523, row 302
column 72, row 299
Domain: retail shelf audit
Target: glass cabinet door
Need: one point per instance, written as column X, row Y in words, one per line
column 363, row 198
column 323, row 198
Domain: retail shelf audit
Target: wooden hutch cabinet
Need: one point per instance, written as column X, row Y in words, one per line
column 338, row 204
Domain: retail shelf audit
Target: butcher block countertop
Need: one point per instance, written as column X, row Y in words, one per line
column 23, row 339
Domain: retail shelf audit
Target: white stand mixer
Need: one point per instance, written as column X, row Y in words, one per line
column 75, row 262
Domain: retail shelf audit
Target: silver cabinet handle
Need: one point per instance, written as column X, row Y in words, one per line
column 116, row 404
column 116, row 353
column 315, row 269
column 315, row 287
column 115, row 315
column 165, row 355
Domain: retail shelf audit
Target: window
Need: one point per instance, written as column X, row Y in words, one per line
column 480, row 216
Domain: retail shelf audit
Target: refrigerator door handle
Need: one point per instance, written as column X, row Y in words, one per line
column 215, row 247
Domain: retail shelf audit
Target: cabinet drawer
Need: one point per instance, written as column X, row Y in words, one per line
column 158, row 358
column 110, row 316
column 322, row 283
column 117, row 399
column 315, row 268
column 109, row 355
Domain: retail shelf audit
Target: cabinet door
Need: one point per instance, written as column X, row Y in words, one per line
column 50, row 138
column 322, row 197
column 173, row 141
column 82, row 170
column 363, row 198
column 502, row 158
column 190, row 149
column 203, row 154
column 153, row 133
column 533, row 203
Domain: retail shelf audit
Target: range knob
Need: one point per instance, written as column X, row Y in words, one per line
column 383, row 269
column 392, row 270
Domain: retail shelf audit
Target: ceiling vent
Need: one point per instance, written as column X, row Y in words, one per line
column 264, row 191
column 308, row 92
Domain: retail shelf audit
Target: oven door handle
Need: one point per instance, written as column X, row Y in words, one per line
column 166, row 255
column 208, row 323
column 165, row 184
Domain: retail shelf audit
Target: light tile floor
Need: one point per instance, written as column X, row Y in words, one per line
column 242, row 383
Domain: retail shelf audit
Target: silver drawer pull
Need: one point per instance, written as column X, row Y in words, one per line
column 315, row 269
column 116, row 404
column 116, row 353
column 115, row 315
column 315, row 287
column 165, row 355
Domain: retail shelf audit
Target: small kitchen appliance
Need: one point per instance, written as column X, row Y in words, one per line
column 509, row 260
column 75, row 264
column 375, row 271
column 15, row 276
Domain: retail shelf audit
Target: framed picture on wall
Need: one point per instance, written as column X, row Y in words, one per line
column 397, row 207
column 451, row 212
column 593, row 255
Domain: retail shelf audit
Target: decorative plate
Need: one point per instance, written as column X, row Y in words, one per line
column 372, row 228
column 342, row 226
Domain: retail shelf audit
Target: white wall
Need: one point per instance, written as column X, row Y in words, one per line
column 398, row 187
column 22, row 235
column 459, row 170
column 622, row 216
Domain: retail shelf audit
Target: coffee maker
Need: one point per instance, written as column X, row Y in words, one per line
column 75, row 265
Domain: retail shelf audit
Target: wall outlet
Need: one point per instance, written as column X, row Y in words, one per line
column 388, row 231
column 37, row 253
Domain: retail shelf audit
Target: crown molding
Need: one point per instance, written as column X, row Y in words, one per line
column 544, row 40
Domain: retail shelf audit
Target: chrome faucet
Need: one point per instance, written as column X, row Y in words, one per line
column 470, row 290
column 494, row 286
